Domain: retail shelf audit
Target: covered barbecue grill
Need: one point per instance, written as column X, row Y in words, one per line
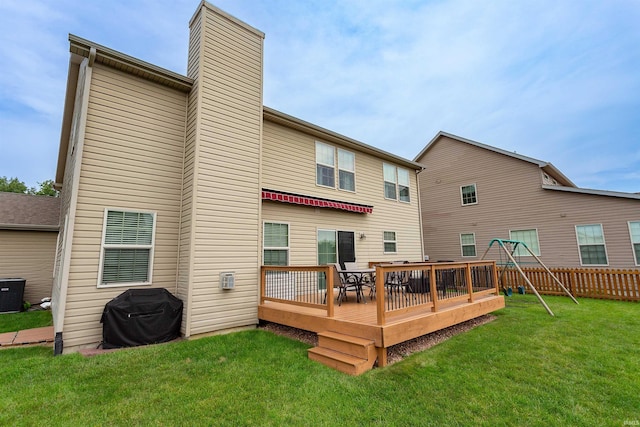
column 141, row 316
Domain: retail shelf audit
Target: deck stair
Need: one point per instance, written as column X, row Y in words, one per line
column 346, row 353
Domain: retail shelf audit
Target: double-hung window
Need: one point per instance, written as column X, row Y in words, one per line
column 591, row 244
column 529, row 238
column 468, row 194
column 390, row 243
column 396, row 183
column 127, row 248
column 275, row 243
column 468, row 244
column 326, row 167
column 634, row 232
column 346, row 170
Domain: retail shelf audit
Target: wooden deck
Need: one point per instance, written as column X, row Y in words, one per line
column 354, row 328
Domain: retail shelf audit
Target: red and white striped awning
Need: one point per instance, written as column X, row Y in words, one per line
column 298, row 199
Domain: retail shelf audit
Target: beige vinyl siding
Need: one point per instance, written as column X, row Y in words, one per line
column 132, row 159
column 29, row 255
column 289, row 165
column 510, row 197
column 189, row 176
column 226, row 192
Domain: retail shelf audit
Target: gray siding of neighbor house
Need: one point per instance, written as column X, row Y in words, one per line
column 511, row 197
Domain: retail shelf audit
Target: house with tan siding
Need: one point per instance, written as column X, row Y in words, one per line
column 477, row 192
column 28, row 234
column 182, row 182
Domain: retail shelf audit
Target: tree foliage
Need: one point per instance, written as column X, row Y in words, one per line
column 14, row 185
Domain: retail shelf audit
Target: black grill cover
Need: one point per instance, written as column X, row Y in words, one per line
column 140, row 317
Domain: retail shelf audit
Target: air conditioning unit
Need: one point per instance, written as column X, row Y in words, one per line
column 227, row 280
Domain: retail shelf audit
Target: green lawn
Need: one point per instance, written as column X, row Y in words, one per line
column 11, row 322
column 580, row 368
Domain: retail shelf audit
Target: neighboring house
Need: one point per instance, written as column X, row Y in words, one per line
column 174, row 181
column 28, row 232
column 472, row 193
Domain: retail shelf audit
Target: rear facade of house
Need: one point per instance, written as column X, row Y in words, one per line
column 484, row 193
column 182, row 182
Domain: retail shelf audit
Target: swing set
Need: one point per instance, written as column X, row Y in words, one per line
column 507, row 261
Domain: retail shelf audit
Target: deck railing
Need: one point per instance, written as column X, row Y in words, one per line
column 307, row 286
column 406, row 287
column 399, row 288
column 621, row 285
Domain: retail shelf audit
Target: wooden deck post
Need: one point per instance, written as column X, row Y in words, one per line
column 329, row 275
column 467, row 273
column 434, row 288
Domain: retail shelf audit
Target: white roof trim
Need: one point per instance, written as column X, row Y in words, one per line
column 540, row 163
column 620, row 194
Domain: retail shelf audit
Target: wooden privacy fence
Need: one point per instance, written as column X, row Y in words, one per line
column 621, row 285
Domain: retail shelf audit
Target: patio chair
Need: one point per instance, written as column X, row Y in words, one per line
column 366, row 281
column 343, row 283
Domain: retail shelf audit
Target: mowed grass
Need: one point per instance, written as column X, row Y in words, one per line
column 526, row 368
column 13, row 322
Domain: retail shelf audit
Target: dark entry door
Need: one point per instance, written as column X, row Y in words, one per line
column 346, row 247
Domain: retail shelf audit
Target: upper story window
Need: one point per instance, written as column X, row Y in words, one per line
column 529, row 238
column 591, row 244
column 634, row 232
column 469, row 194
column 127, row 248
column 326, row 167
column 346, row 170
column 396, row 183
column 275, row 243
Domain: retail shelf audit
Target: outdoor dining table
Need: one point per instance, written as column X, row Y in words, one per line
column 359, row 276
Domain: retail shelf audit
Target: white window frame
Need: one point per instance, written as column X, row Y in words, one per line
column 604, row 243
column 333, row 166
column 276, row 248
column 633, row 243
column 340, row 168
column 104, row 246
column 475, row 191
column 462, row 245
column 385, row 241
column 523, row 252
column 408, row 184
column 396, row 182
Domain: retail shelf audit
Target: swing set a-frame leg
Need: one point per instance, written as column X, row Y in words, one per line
column 566, row 291
column 526, row 279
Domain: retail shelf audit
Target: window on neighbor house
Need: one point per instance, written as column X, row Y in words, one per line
column 468, row 244
column 346, row 170
column 634, row 232
column 127, row 248
column 591, row 244
column 275, row 243
column 529, row 238
column 389, row 241
column 469, row 194
column 325, row 165
column 396, row 183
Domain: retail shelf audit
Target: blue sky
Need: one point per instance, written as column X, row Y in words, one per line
column 554, row 80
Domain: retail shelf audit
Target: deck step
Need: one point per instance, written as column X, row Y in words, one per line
column 349, row 354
